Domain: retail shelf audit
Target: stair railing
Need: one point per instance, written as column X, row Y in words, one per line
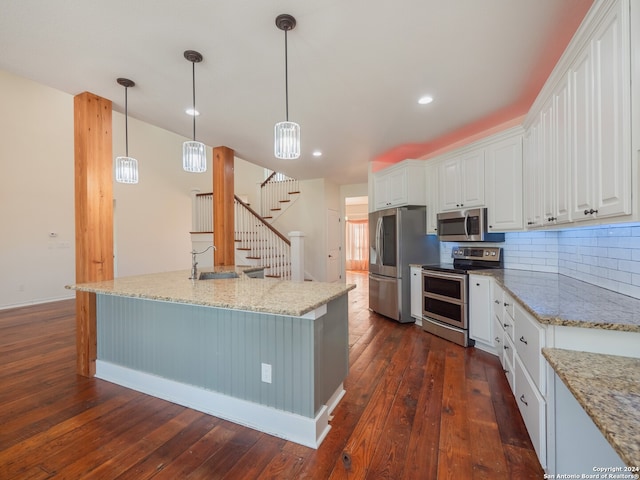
column 263, row 242
column 275, row 191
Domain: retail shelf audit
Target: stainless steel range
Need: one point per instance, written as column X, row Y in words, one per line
column 445, row 289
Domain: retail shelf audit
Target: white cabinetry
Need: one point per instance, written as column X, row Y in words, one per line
column 519, row 340
column 431, row 182
column 503, row 174
column 416, row 293
column 578, row 135
column 601, row 138
column 399, row 185
column 481, row 312
column 462, row 181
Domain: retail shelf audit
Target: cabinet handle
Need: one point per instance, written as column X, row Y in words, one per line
column 497, row 339
column 477, row 284
column 592, row 211
column 505, row 325
column 551, row 219
column 506, row 304
column 497, row 302
column 505, row 371
column 523, row 340
column 531, row 223
column 522, row 399
column 506, row 347
column 490, row 226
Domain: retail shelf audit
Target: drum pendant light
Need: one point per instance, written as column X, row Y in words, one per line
column 126, row 167
column 287, row 134
column 194, row 154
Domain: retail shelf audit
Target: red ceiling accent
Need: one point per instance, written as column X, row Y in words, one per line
column 509, row 116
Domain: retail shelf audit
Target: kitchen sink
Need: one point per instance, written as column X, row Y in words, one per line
column 215, row 275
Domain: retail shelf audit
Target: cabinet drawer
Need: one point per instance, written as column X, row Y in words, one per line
column 533, row 409
column 529, row 340
column 508, row 326
column 498, row 341
column 498, row 299
column 508, row 349
column 508, row 304
column 510, row 373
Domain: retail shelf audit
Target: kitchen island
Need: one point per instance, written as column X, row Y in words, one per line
column 265, row 353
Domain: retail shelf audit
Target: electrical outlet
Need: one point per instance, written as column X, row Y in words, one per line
column 266, row 373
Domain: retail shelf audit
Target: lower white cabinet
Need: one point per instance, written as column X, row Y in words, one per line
column 518, row 340
column 416, row 292
column 480, row 311
column 533, row 409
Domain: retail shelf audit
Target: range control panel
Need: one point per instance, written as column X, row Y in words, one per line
column 491, row 254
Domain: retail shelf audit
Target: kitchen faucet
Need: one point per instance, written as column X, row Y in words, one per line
column 194, row 264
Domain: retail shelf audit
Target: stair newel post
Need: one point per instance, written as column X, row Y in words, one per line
column 297, row 256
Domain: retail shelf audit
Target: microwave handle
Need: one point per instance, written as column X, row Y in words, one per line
column 466, row 222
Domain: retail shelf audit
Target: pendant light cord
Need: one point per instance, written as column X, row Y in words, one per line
column 126, row 122
column 286, row 74
column 193, row 78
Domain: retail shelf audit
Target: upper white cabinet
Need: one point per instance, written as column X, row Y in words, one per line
column 503, row 174
column 601, row 137
column 400, row 184
column 431, row 181
column 577, row 158
column 461, row 180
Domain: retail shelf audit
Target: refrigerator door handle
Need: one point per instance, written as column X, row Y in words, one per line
column 378, row 238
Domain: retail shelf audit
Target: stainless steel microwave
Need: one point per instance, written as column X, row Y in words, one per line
column 468, row 225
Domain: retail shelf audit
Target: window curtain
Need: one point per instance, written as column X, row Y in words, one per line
column 357, row 255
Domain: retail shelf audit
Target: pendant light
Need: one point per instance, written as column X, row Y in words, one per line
column 287, row 134
column 194, row 154
column 126, row 167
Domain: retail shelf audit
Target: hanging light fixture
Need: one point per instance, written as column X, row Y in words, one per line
column 126, row 167
column 194, row 154
column 287, row 134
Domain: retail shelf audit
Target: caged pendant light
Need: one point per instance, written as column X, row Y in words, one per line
column 287, row 134
column 194, row 154
column 126, row 167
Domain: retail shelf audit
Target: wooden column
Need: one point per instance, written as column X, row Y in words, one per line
column 93, row 214
column 223, row 209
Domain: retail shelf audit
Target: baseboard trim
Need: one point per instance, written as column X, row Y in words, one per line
column 309, row 432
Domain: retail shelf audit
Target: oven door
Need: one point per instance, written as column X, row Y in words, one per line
column 445, row 297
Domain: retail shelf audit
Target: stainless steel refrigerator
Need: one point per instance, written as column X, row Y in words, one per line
column 397, row 238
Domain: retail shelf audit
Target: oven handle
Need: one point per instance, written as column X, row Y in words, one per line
column 441, row 324
column 449, row 276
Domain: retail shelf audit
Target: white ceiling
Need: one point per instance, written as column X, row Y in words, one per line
column 356, row 67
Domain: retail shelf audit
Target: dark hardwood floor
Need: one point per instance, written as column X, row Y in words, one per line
column 416, row 407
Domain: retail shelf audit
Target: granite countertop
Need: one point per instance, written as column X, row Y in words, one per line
column 555, row 299
column 268, row 295
column 608, row 389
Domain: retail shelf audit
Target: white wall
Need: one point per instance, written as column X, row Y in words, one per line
column 247, row 178
column 36, row 192
column 152, row 219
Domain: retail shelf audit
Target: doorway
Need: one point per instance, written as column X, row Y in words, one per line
column 357, row 234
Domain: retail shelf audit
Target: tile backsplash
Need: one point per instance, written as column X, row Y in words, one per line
column 607, row 256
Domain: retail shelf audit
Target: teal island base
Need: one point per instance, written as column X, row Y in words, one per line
column 278, row 374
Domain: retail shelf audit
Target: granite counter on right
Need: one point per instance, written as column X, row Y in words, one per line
column 555, row 299
column 571, row 354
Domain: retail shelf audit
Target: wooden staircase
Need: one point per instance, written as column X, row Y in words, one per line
column 257, row 241
column 277, row 193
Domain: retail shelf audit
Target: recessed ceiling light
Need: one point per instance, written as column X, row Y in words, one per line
column 424, row 100
column 192, row 112
column 317, row 153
